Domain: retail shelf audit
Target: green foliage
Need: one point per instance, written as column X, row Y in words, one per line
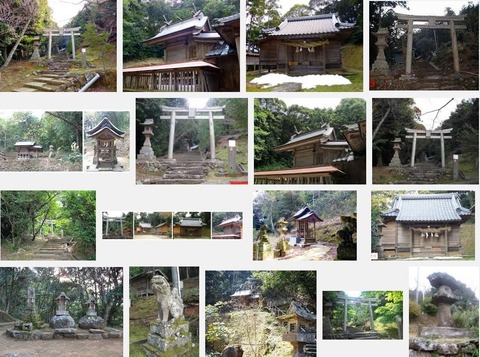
column 217, row 334
column 274, row 125
column 467, row 318
column 97, row 43
column 429, row 308
column 414, row 310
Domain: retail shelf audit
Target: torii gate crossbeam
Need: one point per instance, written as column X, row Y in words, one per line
column 209, row 113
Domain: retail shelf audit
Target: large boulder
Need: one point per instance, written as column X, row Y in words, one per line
column 62, row 321
column 88, row 322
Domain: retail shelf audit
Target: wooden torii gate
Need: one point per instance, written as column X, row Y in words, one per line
column 410, row 22
column 209, row 113
column 72, row 32
column 428, row 134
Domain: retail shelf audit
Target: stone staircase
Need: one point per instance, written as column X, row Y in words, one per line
column 425, row 172
column 430, row 77
column 189, row 168
column 53, row 249
column 53, row 79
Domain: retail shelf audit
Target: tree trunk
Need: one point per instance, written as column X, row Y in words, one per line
column 380, row 124
column 20, row 38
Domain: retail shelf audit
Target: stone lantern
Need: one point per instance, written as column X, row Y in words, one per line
column 146, row 152
column 380, row 65
column 396, row 158
column 62, row 301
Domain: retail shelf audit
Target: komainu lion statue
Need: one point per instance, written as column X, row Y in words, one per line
column 161, row 287
column 232, row 351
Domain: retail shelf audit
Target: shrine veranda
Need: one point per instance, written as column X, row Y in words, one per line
column 117, row 190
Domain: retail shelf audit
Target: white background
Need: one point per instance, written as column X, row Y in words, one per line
column 118, row 192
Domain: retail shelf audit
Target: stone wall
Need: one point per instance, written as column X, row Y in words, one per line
column 422, row 347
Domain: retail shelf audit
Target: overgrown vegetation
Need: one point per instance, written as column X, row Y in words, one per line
column 25, row 213
column 104, row 284
column 253, row 324
column 275, row 123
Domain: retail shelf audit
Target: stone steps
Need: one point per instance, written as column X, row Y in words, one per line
column 50, row 80
column 180, row 176
column 173, row 181
column 39, row 86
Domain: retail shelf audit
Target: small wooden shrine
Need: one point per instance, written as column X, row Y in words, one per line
column 231, row 228
column 304, row 45
column 105, row 151
column 300, row 325
column 423, row 225
column 188, row 227
column 305, row 225
column 245, row 297
column 27, row 149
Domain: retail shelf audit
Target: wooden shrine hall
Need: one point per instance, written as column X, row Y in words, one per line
column 423, row 225
column 198, row 57
column 313, row 154
column 304, row 45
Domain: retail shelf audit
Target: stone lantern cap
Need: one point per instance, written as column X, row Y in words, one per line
column 62, row 296
column 439, row 279
column 445, row 284
column 147, row 122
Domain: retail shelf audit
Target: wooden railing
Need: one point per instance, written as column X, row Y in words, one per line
column 175, row 81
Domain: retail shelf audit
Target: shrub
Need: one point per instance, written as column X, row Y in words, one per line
column 428, row 308
column 466, row 318
column 414, row 310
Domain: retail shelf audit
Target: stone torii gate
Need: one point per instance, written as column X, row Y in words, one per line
column 428, row 134
column 347, row 300
column 410, row 22
column 72, row 32
column 209, row 113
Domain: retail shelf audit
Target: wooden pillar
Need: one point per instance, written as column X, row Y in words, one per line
column 49, row 44
column 212, row 135
column 121, row 227
column 171, row 138
column 414, row 147
column 73, row 44
column 345, row 315
column 446, row 241
column 453, row 35
column 106, row 228
column 442, row 146
column 408, row 59
column 324, row 55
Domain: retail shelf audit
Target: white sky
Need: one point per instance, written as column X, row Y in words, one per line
column 312, row 102
column 432, row 7
column 64, row 10
column 116, row 214
column 7, row 114
column 197, row 102
column 428, row 104
column 286, row 5
column 467, row 275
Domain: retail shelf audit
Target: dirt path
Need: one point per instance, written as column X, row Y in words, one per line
column 64, row 348
column 40, row 249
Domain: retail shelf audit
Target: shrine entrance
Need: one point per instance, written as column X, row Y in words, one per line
column 411, row 22
column 173, row 114
column 440, row 134
column 72, row 32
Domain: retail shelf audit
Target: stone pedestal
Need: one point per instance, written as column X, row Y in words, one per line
column 91, row 322
column 36, row 53
column 169, row 337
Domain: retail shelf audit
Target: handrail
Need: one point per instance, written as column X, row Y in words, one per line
column 89, row 83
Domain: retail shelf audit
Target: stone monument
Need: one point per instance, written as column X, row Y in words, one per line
column 91, row 320
column 169, row 334
column 146, row 152
column 36, row 46
column 282, row 244
column 62, row 322
column 261, row 245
